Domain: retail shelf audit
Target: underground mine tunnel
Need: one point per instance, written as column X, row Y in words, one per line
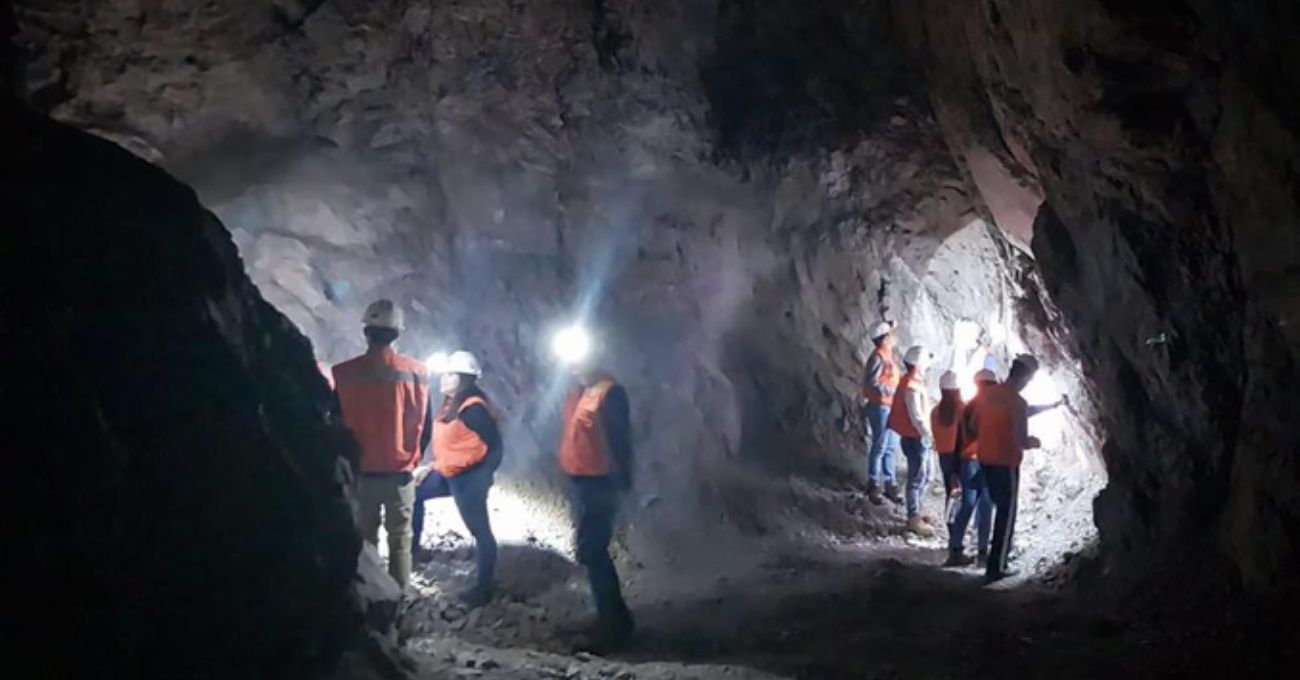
column 201, row 199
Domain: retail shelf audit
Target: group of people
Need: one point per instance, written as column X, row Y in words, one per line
column 980, row 446
column 416, row 446
column 384, row 399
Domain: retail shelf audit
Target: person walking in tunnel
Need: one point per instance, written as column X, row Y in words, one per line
column 973, row 498
column 595, row 452
column 910, row 419
column 384, row 399
column 879, row 382
column 998, row 421
column 466, row 453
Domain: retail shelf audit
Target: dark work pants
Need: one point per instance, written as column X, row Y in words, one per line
column 469, row 490
column 1003, row 484
column 595, row 502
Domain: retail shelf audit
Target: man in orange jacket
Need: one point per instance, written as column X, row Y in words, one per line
column 595, row 452
column 384, row 399
column 998, row 421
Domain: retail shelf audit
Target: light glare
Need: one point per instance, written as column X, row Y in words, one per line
column 436, row 362
column 571, row 345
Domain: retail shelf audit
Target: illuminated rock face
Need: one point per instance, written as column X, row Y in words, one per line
column 730, row 205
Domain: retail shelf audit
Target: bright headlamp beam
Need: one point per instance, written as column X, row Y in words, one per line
column 571, row 345
column 436, row 362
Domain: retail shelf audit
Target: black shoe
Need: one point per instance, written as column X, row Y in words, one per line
column 873, row 494
column 995, row 576
column 956, row 559
column 421, row 555
column 606, row 637
column 891, row 492
column 982, row 560
column 475, row 597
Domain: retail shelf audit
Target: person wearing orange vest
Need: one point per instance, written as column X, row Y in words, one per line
column 973, row 497
column 998, row 421
column 466, row 453
column 879, row 382
column 909, row 417
column 384, row 400
column 595, row 452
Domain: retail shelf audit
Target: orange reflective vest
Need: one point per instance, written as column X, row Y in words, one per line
column 1000, row 418
column 945, row 436
column 584, row 450
column 384, row 397
column 457, row 448
column 899, row 420
column 888, row 378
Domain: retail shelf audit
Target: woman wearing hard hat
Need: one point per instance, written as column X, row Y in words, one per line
column 466, row 453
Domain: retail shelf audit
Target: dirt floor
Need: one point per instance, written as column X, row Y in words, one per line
column 877, row 605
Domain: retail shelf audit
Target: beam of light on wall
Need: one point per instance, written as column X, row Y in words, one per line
column 1049, row 426
column 968, row 356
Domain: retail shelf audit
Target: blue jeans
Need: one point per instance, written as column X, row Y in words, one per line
column 880, row 458
column 975, row 500
column 470, row 490
column 917, row 474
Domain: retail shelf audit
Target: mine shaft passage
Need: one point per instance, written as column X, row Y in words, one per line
column 671, row 338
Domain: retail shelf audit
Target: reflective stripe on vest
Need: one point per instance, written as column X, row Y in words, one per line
column 456, row 447
column 384, row 397
column 888, row 378
column 945, row 436
column 899, row 420
column 584, row 450
column 994, row 417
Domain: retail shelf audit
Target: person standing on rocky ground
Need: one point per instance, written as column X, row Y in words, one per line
column 595, row 452
column 384, row 399
column 879, row 382
column 910, row 419
column 466, row 453
column 973, row 497
column 998, row 421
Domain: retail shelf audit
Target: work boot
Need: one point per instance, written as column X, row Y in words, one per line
column 982, row 560
column 475, row 597
column 605, row 638
column 892, row 493
column 873, row 494
column 919, row 527
column 956, row 559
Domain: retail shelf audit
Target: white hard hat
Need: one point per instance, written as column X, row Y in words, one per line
column 1028, row 361
column 984, row 375
column 948, row 381
column 917, row 355
column 384, row 314
column 882, row 329
column 462, row 362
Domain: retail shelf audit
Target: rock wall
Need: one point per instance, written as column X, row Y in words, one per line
column 177, row 501
column 1161, row 138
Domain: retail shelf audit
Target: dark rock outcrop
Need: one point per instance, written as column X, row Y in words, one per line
column 177, row 503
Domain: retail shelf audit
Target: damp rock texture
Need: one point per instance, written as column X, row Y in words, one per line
column 729, row 201
column 1162, row 140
